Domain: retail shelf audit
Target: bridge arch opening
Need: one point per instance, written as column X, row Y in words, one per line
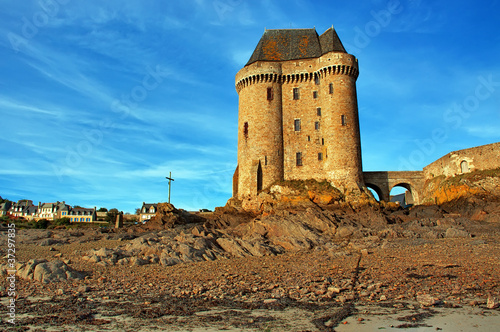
column 375, row 191
column 404, row 194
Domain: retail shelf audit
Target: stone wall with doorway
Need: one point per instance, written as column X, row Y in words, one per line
column 463, row 161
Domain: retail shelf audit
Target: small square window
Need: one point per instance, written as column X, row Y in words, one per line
column 318, row 111
column 331, row 88
column 315, row 94
column 296, row 93
column 296, row 124
column 270, row 94
column 308, row 138
column 299, row 158
column 320, row 156
column 316, row 125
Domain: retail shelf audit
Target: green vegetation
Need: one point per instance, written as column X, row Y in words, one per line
column 5, row 219
column 465, row 178
column 61, row 222
column 473, row 176
column 40, row 224
column 77, row 225
column 111, row 216
column 131, row 220
column 22, row 223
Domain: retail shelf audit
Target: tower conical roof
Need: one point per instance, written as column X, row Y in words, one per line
column 294, row 44
column 330, row 42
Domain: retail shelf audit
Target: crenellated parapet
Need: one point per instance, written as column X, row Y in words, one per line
column 338, row 70
column 258, row 78
column 256, row 73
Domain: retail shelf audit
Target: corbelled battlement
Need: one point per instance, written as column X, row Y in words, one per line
column 330, row 64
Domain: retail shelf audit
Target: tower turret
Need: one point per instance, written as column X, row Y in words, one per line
column 260, row 133
column 343, row 167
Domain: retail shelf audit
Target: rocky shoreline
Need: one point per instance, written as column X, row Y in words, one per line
column 302, row 269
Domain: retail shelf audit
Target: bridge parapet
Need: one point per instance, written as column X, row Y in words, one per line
column 383, row 182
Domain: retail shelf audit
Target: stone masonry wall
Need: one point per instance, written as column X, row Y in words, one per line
column 260, row 138
column 328, row 139
column 473, row 159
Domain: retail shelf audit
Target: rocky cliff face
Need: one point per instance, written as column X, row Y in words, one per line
column 481, row 184
column 295, row 194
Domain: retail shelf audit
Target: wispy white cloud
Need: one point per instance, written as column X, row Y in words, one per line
column 7, row 103
column 65, row 78
column 184, row 169
column 63, row 71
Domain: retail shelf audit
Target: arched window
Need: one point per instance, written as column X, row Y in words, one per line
column 464, row 165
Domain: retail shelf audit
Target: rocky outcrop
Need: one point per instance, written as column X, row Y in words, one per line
column 46, row 272
column 275, row 233
column 474, row 195
column 291, row 217
column 294, row 194
column 164, row 247
column 167, row 216
column 441, row 190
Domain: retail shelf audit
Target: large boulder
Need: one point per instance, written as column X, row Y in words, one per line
column 48, row 272
column 454, row 233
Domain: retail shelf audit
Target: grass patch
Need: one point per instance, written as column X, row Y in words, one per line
column 442, row 181
column 473, row 176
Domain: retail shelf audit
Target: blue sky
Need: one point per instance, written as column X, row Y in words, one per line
column 100, row 100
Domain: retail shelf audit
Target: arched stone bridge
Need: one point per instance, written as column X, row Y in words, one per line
column 383, row 182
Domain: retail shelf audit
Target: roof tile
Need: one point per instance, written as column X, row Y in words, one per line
column 294, row 44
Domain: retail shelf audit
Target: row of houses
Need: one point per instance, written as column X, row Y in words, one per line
column 50, row 211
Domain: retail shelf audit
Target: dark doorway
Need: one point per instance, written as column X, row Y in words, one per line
column 259, row 178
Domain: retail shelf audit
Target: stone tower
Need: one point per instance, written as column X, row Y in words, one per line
column 298, row 113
